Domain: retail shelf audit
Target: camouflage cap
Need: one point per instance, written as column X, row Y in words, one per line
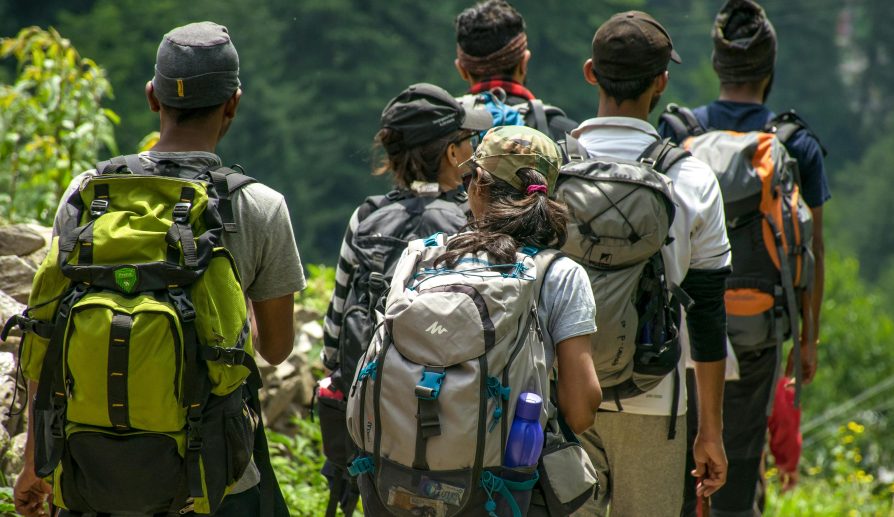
column 506, row 149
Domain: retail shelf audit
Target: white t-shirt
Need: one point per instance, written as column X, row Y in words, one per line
column 698, row 230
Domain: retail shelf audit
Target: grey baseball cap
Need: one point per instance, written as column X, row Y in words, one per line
column 196, row 66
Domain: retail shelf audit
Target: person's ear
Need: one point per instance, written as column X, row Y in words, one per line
column 154, row 105
column 589, row 74
column 232, row 104
column 522, row 67
column 661, row 82
column 462, row 71
column 452, row 155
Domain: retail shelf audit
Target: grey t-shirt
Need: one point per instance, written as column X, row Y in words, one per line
column 567, row 308
column 264, row 247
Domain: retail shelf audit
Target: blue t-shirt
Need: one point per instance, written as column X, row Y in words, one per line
column 802, row 146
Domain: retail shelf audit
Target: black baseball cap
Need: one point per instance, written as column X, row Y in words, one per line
column 424, row 112
column 632, row 45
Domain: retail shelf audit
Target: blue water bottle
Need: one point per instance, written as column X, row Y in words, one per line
column 526, row 435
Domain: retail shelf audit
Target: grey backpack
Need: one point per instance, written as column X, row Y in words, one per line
column 770, row 228
column 621, row 212
column 434, row 395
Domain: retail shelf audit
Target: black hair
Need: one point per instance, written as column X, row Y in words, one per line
column 186, row 115
column 626, row 89
column 514, row 219
column 418, row 163
column 487, row 27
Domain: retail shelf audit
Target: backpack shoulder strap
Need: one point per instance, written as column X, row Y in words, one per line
column 544, row 259
column 661, row 155
column 373, row 203
column 130, row 162
column 572, row 150
column 682, row 122
column 540, row 122
column 786, row 124
column 226, row 182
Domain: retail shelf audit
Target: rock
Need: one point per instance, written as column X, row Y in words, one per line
column 14, row 457
column 16, row 276
column 21, row 239
column 8, row 307
column 302, row 343
column 313, row 330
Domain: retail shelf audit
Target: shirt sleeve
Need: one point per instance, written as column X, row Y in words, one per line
column 347, row 262
column 568, row 297
column 811, row 167
column 279, row 272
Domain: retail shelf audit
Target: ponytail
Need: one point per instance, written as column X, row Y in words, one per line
column 514, row 218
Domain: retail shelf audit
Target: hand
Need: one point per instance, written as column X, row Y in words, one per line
column 31, row 493
column 788, row 479
column 710, row 465
column 808, row 362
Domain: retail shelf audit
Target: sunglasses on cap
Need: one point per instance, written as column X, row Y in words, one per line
column 474, row 138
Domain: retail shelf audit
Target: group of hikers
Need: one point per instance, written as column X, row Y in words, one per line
column 543, row 317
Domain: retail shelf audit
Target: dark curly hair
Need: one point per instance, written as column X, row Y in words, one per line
column 487, row 27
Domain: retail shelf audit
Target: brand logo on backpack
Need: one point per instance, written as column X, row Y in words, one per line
column 435, row 328
column 126, row 278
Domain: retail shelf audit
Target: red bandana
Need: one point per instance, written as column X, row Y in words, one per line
column 512, row 88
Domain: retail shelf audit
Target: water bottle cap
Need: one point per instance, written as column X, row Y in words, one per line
column 529, row 405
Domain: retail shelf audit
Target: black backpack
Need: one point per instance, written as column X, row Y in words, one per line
column 386, row 225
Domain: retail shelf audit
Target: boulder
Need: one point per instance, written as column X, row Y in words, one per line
column 21, row 239
column 16, row 276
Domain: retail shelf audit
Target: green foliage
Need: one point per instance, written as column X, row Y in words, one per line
column 52, row 123
column 297, row 461
column 853, row 380
column 320, row 284
column 837, row 483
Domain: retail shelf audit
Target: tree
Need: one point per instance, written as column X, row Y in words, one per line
column 52, row 122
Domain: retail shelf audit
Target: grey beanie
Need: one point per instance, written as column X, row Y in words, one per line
column 196, row 66
column 744, row 42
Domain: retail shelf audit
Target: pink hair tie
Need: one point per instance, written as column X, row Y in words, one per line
column 536, row 188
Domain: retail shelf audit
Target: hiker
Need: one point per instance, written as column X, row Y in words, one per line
column 196, row 92
column 744, row 60
column 473, row 326
column 425, row 136
column 637, row 443
column 492, row 56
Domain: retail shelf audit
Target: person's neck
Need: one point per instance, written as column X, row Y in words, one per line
column 743, row 95
column 186, row 139
column 637, row 108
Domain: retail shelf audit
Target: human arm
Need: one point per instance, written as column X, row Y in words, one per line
column 275, row 324
column 812, row 304
column 30, row 492
column 579, row 391
column 344, row 273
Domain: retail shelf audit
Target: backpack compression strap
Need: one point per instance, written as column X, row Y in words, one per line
column 682, row 122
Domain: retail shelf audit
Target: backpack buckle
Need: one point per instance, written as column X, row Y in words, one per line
column 429, row 387
column 99, row 207
column 181, row 212
column 228, row 356
column 651, row 162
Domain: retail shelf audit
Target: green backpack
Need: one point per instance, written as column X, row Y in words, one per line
column 137, row 331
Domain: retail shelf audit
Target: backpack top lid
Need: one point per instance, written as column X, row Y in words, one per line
column 745, row 163
column 621, row 210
